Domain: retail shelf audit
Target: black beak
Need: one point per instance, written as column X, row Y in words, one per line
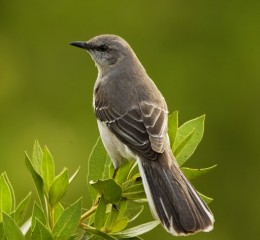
column 80, row 44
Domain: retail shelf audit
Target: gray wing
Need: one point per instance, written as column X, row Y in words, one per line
column 142, row 128
column 155, row 119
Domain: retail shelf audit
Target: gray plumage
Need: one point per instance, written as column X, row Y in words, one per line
column 133, row 122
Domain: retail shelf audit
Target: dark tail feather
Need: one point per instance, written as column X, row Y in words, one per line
column 171, row 197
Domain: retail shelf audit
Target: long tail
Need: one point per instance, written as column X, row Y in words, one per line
column 171, row 197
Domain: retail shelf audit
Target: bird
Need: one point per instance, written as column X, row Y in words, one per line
column 132, row 118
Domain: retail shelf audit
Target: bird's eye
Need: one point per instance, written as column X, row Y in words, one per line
column 103, row 48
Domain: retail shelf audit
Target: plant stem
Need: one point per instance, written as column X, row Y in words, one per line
column 85, row 226
column 88, row 213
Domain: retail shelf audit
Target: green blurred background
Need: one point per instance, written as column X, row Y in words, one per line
column 203, row 55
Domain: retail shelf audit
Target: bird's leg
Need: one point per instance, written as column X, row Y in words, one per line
column 115, row 172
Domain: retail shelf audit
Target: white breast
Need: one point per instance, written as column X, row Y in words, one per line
column 115, row 148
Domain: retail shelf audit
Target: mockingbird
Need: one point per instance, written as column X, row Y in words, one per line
column 132, row 118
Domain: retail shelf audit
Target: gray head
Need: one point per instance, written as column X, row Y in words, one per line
column 107, row 50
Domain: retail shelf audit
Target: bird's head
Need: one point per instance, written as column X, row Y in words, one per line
column 106, row 50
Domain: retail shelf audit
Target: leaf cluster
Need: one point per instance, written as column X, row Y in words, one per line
column 118, row 197
column 49, row 219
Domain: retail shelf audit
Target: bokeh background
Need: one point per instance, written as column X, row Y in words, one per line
column 203, row 55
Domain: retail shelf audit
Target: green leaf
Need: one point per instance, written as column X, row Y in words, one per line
column 112, row 217
column 38, row 182
column 139, row 230
column 100, row 234
column 134, row 172
column 133, row 189
column 107, row 166
column 206, row 199
column 5, row 196
column 111, row 169
column 119, row 225
column 74, row 175
column 178, row 150
column 122, row 206
column 58, row 210
column 38, row 214
column 11, row 230
column 98, row 166
column 136, row 179
column 123, row 171
column 68, row 222
column 191, row 173
column 41, row 232
column 11, row 189
column 133, row 192
column 116, row 212
column 21, row 209
column 188, row 143
column 100, row 214
column 47, row 169
column 59, row 187
column 37, row 157
column 133, row 210
column 172, row 126
column 1, row 231
column 109, row 189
